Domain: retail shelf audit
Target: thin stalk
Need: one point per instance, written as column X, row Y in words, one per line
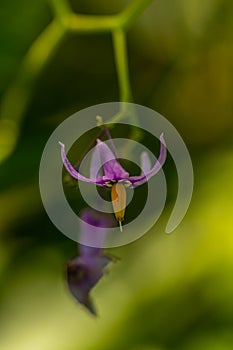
column 121, row 61
column 60, row 8
column 134, row 10
column 15, row 100
column 85, row 24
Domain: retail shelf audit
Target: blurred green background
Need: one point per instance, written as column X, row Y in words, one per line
column 168, row 291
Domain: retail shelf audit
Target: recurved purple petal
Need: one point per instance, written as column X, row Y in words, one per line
column 145, row 163
column 139, row 180
column 112, row 168
column 74, row 173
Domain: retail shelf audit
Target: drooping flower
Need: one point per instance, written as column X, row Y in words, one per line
column 115, row 176
column 85, row 270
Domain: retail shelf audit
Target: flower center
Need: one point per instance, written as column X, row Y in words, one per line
column 126, row 183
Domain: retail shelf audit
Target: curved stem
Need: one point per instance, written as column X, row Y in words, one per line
column 60, row 8
column 17, row 97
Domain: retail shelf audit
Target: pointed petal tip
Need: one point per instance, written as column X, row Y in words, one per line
column 139, row 180
column 162, row 138
column 144, row 154
column 93, row 312
column 90, row 307
column 71, row 170
column 61, row 144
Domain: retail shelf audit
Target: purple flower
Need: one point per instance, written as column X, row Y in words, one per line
column 115, row 176
column 85, row 270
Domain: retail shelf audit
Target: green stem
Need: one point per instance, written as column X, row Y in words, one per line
column 91, row 24
column 97, row 24
column 60, row 8
column 121, row 60
column 131, row 12
column 122, row 67
column 17, row 97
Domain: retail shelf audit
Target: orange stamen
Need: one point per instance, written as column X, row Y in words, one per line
column 118, row 195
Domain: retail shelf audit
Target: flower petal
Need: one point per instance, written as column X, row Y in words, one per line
column 96, row 166
column 83, row 275
column 145, row 163
column 74, row 173
column 139, row 180
column 112, row 168
column 112, row 146
column 86, row 269
column 79, row 283
column 93, row 229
